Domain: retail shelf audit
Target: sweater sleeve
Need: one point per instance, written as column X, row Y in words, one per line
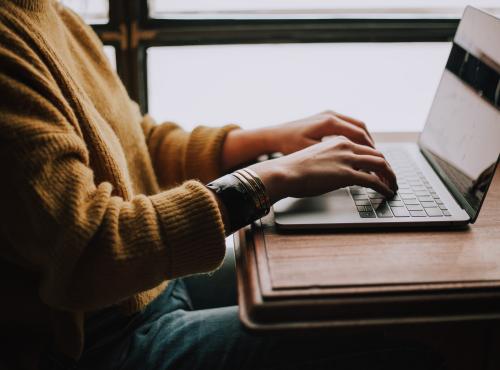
column 90, row 247
column 178, row 155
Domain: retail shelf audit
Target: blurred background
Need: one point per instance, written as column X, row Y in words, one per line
column 261, row 62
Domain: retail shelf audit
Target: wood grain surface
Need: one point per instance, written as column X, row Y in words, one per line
column 318, row 279
column 392, row 258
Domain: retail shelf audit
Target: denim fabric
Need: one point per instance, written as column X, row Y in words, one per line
column 171, row 334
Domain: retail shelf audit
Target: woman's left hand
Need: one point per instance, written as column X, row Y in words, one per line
column 242, row 146
column 293, row 136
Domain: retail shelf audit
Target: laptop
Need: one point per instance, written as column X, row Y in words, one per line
column 443, row 180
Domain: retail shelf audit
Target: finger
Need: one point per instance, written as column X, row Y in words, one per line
column 371, row 181
column 363, row 149
column 377, row 165
column 352, row 132
column 354, row 121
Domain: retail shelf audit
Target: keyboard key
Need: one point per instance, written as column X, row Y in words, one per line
column 367, row 214
column 418, row 214
column 412, row 207
column 405, row 191
column 396, row 203
column 446, row 212
column 411, row 201
column 422, row 193
column 415, row 196
column 383, row 212
column 364, row 208
column 429, row 204
column 400, row 212
column 362, row 202
column 419, row 188
column 434, row 212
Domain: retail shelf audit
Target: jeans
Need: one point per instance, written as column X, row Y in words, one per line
column 173, row 333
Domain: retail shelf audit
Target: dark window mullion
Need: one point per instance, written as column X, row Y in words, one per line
column 136, row 53
column 176, row 32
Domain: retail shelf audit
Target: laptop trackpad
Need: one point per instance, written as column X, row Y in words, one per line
column 321, row 209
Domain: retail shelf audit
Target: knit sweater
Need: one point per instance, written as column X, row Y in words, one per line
column 98, row 208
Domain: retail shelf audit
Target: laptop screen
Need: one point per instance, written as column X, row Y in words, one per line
column 461, row 138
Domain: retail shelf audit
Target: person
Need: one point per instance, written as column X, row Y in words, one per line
column 104, row 211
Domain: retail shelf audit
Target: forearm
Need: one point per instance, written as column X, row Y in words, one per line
column 119, row 247
column 243, row 146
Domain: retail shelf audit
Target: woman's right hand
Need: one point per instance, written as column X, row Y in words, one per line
column 324, row 167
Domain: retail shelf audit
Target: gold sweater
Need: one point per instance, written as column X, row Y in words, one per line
column 95, row 211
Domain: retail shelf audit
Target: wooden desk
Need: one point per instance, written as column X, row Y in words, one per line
column 447, row 282
column 351, row 279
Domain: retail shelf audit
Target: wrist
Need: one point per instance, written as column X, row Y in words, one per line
column 274, row 176
column 243, row 146
column 269, row 139
column 261, row 141
column 240, row 147
column 241, row 197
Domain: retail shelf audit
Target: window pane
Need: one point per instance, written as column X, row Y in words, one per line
column 388, row 85
column 111, row 54
column 315, row 8
column 93, row 11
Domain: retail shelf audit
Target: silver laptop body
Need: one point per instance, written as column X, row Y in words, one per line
column 443, row 179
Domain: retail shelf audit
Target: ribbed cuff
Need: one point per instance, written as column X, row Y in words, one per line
column 204, row 152
column 193, row 228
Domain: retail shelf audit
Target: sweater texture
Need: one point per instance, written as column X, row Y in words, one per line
column 101, row 205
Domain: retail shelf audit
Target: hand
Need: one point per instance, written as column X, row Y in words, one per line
column 325, row 167
column 242, row 146
column 293, row 136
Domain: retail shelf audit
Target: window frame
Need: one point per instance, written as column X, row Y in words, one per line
column 132, row 31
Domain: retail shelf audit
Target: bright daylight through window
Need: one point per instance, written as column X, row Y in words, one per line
column 315, row 8
column 389, row 85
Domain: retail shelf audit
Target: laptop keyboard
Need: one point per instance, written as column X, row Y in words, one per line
column 415, row 197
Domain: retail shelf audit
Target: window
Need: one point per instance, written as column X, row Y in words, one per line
column 388, row 85
column 111, row 54
column 258, row 62
column 300, row 9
